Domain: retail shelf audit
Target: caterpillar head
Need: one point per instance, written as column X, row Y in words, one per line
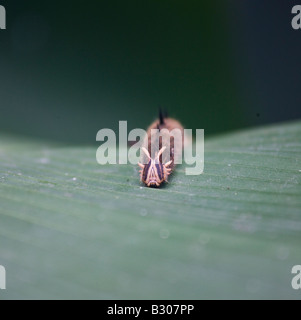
column 154, row 173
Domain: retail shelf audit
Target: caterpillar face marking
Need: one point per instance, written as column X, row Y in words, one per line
column 156, row 170
column 154, row 173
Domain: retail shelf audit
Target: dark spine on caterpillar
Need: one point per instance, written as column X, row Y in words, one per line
column 155, row 168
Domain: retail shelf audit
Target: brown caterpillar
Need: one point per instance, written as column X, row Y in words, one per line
column 156, row 170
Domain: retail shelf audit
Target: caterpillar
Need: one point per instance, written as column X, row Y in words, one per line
column 166, row 144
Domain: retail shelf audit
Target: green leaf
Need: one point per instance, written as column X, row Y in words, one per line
column 70, row 228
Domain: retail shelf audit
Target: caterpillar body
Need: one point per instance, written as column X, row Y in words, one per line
column 162, row 146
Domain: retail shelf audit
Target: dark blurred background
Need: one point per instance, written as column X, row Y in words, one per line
column 70, row 68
